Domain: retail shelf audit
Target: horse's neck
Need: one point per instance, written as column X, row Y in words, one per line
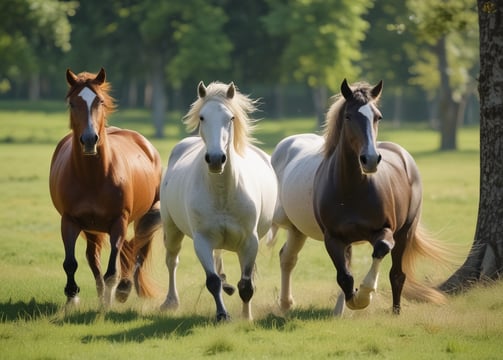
column 96, row 166
column 229, row 179
column 345, row 164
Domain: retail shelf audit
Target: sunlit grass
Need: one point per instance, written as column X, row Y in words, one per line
column 34, row 323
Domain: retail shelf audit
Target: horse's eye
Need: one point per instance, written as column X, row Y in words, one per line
column 232, row 118
column 201, row 118
column 71, row 104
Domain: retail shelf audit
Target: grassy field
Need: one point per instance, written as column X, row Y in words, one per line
column 34, row 325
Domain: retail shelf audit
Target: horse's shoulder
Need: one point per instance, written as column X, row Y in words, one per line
column 184, row 147
column 131, row 136
column 396, row 155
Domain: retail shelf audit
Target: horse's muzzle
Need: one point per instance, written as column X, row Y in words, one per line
column 369, row 163
column 89, row 144
column 215, row 162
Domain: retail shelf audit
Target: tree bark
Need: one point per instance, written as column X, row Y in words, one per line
column 485, row 260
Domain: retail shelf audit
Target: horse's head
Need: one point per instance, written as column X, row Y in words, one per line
column 89, row 103
column 221, row 115
column 215, row 127
column 361, row 120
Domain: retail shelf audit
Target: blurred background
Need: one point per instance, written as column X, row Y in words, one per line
column 293, row 54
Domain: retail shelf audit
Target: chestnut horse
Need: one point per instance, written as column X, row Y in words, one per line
column 360, row 190
column 101, row 180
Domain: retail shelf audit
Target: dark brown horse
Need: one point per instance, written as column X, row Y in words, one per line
column 101, row 180
column 370, row 191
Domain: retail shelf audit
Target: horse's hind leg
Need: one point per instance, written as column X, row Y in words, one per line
column 69, row 232
column 112, row 275
column 125, row 284
column 219, row 265
column 396, row 274
column 173, row 242
column 93, row 251
column 288, row 256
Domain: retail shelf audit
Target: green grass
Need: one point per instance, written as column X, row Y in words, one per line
column 34, row 324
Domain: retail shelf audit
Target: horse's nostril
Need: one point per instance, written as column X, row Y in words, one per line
column 207, row 158
column 379, row 158
column 96, row 138
column 224, row 158
column 81, row 140
column 363, row 159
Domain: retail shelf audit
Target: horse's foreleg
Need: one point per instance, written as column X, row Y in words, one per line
column 341, row 258
column 93, row 251
column 288, row 256
column 382, row 247
column 247, row 257
column 69, row 232
column 112, row 275
column 173, row 243
column 204, row 252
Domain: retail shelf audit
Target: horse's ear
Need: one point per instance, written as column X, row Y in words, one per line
column 346, row 90
column 101, row 77
column 71, row 78
column 231, row 90
column 376, row 91
column 201, row 89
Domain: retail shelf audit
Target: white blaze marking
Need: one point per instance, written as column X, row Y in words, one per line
column 88, row 96
column 366, row 110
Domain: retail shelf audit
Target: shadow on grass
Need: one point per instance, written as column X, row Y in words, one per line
column 27, row 311
column 152, row 326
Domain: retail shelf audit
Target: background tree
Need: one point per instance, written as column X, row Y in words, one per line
column 322, row 42
column 485, row 260
column 182, row 40
column 444, row 58
column 33, row 33
column 384, row 55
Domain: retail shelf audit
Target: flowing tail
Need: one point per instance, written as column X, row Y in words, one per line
column 137, row 253
column 425, row 245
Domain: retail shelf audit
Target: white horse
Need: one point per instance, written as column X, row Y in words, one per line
column 295, row 161
column 220, row 190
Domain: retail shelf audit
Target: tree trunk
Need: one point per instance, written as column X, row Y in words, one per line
column 158, row 96
column 485, row 260
column 320, row 103
column 447, row 109
column 34, row 87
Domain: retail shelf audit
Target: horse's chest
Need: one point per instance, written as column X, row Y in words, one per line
column 97, row 209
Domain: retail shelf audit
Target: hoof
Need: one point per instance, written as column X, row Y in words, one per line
column 72, row 302
column 361, row 298
column 170, row 304
column 123, row 290
column 223, row 317
column 286, row 305
column 228, row 289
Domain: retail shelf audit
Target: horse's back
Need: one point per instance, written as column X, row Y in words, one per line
column 295, row 161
